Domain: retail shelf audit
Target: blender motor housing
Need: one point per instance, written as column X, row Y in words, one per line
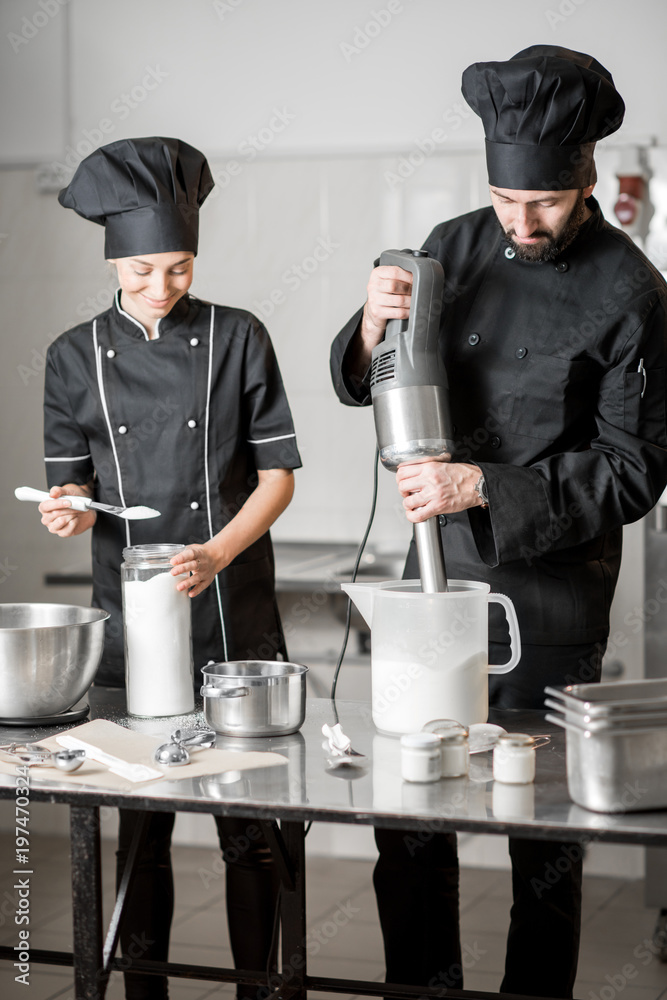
column 410, row 395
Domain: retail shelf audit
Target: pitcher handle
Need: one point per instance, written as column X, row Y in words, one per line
column 515, row 638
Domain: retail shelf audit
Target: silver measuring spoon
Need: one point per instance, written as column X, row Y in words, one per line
column 176, row 753
column 204, row 739
column 34, row 753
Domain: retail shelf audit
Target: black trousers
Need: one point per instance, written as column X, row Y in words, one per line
column 417, row 884
column 251, row 888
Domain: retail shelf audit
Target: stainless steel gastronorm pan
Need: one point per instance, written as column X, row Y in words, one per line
column 616, row 769
column 618, row 720
column 610, row 698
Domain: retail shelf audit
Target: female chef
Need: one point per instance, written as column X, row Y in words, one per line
column 177, row 404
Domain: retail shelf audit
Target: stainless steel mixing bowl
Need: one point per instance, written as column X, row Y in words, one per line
column 49, row 654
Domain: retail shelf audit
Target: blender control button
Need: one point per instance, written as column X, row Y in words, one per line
column 420, row 253
column 521, row 352
column 194, row 342
column 473, row 339
column 192, row 424
column 510, row 253
column 562, row 266
column 111, row 353
column 194, row 505
column 122, row 429
column 495, row 442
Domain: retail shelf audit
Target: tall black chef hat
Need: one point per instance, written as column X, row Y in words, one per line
column 145, row 192
column 543, row 111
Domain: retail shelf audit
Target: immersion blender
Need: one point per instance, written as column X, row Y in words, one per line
column 410, row 396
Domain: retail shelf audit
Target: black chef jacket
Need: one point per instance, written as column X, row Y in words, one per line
column 557, row 382
column 180, row 423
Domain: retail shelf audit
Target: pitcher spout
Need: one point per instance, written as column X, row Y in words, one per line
column 361, row 595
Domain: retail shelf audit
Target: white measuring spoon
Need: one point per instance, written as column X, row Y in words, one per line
column 83, row 503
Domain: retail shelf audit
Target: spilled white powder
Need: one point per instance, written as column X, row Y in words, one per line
column 158, row 650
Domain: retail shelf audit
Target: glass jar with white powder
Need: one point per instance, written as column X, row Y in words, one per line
column 514, row 759
column 158, row 640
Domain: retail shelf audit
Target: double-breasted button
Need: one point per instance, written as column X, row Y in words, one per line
column 442, row 520
column 510, row 253
column 473, row 339
column 111, row 353
column 194, row 342
column 122, row 429
column 562, row 266
column 521, row 352
column 192, row 424
column 194, row 505
column 495, row 442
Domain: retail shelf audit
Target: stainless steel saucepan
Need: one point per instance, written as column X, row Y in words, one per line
column 254, row 697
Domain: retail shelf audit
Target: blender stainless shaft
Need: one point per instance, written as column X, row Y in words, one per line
column 431, row 557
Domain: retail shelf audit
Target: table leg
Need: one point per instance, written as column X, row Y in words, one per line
column 90, row 980
column 293, row 912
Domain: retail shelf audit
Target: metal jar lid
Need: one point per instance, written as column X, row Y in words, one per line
column 445, row 727
column 454, row 739
column 516, row 740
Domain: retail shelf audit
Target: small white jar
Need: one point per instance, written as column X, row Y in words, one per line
column 421, row 758
column 454, row 746
column 514, row 759
column 455, row 757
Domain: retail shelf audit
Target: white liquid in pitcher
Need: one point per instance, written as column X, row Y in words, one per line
column 157, row 630
column 408, row 694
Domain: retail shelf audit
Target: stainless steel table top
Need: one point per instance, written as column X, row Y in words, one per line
column 373, row 793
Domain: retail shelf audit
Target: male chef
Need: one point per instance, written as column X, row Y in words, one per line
column 553, row 333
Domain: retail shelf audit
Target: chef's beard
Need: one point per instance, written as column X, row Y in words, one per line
column 553, row 243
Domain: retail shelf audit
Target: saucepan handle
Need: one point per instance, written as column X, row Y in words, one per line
column 210, row 691
column 515, row 638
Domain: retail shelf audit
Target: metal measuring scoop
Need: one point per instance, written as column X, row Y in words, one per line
column 34, row 753
column 176, row 753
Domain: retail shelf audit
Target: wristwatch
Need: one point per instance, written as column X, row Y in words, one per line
column 480, row 490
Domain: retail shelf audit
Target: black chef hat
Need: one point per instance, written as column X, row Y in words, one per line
column 543, row 111
column 145, row 192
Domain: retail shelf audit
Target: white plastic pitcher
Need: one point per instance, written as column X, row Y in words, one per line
column 429, row 652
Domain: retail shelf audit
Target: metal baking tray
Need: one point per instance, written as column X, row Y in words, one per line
column 616, row 769
column 617, row 696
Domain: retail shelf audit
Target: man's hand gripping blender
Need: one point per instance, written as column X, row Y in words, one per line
column 410, row 396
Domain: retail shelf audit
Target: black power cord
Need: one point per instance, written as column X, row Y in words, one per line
column 360, row 552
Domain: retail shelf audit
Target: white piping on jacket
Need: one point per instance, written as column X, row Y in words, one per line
column 208, row 485
column 281, row 437
column 68, row 458
column 136, row 321
column 105, row 409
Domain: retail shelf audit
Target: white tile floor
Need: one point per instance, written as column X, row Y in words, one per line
column 616, row 960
